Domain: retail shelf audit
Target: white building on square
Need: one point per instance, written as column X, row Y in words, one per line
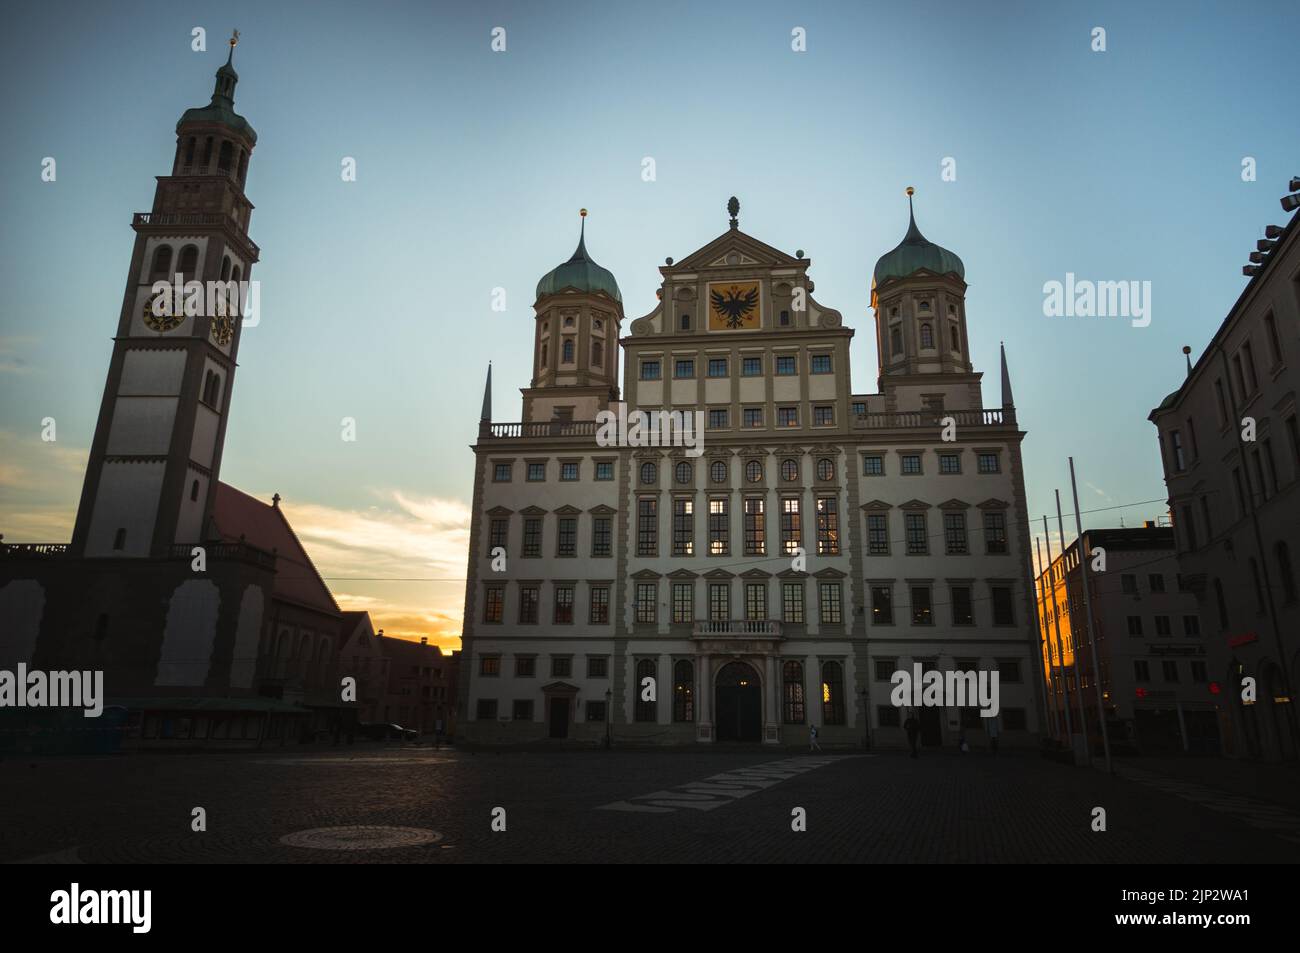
column 775, row 581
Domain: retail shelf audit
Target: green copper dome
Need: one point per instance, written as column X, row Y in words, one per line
column 222, row 107
column 914, row 253
column 580, row 273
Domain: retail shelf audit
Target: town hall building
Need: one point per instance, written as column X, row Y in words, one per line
column 774, row 582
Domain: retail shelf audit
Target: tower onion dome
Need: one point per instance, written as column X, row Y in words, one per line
column 222, row 107
column 580, row 273
column 916, row 252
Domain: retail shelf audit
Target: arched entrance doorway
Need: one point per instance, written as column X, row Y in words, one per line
column 739, row 704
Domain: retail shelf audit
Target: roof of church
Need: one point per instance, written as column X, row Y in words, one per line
column 222, row 107
column 915, row 253
column 580, row 273
column 240, row 516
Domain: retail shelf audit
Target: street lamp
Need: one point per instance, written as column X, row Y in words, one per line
column 609, row 695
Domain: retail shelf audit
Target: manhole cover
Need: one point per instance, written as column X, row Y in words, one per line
column 361, row 837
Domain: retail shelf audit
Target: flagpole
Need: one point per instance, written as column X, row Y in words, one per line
column 1087, row 611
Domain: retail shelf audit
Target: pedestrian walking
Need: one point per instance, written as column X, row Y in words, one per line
column 437, row 734
column 812, row 739
column 913, row 729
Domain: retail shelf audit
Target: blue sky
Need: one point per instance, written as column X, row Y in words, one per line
column 472, row 165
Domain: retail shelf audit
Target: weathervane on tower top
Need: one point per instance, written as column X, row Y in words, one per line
column 234, row 38
column 733, row 208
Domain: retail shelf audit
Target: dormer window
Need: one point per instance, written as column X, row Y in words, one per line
column 925, row 306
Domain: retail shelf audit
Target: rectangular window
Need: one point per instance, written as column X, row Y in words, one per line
column 597, row 666
column 683, row 527
column 647, row 601
column 1156, row 581
column 532, row 536
column 717, row 367
column 963, row 612
column 683, row 602
column 859, row 408
column 785, row 365
column 885, row 669
column 719, row 528
column 911, row 463
column 792, row 602
column 602, row 536
column 536, row 472
column 755, row 601
column 882, row 605
column 528, row 599
column 828, row 526
column 1163, row 626
column 718, row 418
column 1141, row 670
column 819, row 364
column 1169, row 669
column 949, row 463
column 787, row 416
column 501, row 473
column 650, row 371
column 1176, row 445
column 954, row 534
column 873, row 465
column 1135, row 626
column 566, row 537
column 989, row 463
column 1003, row 611
column 922, row 611
column 647, row 531
column 498, row 533
column 1128, row 583
column 828, row 600
column 918, row 542
column 751, row 366
column 522, row 709
column 755, row 527
column 824, row 416
column 1191, row 626
column 1199, row 674
column 791, row 531
column 1009, row 670
column 995, row 533
column 563, row 605
column 599, row 613
column 568, row 471
column 561, row 666
column 525, row 666
column 684, row 368
column 486, row 709
column 494, row 601
column 752, row 416
column 605, row 470
column 719, row 601
column 877, row 534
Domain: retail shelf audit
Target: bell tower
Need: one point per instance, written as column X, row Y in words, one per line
column 154, row 462
column 579, row 311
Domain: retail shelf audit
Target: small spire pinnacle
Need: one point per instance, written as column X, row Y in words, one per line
column 486, row 415
column 733, row 209
column 1187, row 356
column 234, row 41
column 275, row 501
column 1007, row 399
column 580, row 253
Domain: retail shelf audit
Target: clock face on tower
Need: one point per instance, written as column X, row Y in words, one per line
column 223, row 328
column 162, row 322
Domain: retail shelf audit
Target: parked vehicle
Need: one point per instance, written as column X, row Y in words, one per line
column 379, row 731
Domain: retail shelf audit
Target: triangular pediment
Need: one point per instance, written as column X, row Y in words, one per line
column 568, row 510
column 734, row 249
column 915, row 505
column 533, row 511
column 954, row 505
column 994, row 504
column 602, row 510
column 499, row 511
column 877, row 505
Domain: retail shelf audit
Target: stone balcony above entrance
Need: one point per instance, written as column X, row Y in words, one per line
column 737, row 629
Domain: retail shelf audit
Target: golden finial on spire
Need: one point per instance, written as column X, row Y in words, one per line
column 910, row 191
column 234, row 39
column 582, row 212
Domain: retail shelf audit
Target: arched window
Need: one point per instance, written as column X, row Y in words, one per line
column 686, row 322
column 792, row 679
column 189, row 262
column 243, row 166
column 225, row 268
column 649, row 474
column 683, row 472
column 825, row 469
column 597, row 354
column 543, row 362
column 189, row 152
column 927, row 336
column 753, row 471
column 1286, row 571
column 718, row 471
column 645, row 710
column 162, row 263
column 194, row 491
column 789, row 470
column 207, row 152
column 566, row 356
column 1258, row 584
column 956, row 338
column 225, row 158
column 895, row 342
column 119, row 538
column 1222, row 605
column 684, row 691
column 832, row 693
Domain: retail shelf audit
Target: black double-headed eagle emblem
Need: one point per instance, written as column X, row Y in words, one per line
column 734, row 305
